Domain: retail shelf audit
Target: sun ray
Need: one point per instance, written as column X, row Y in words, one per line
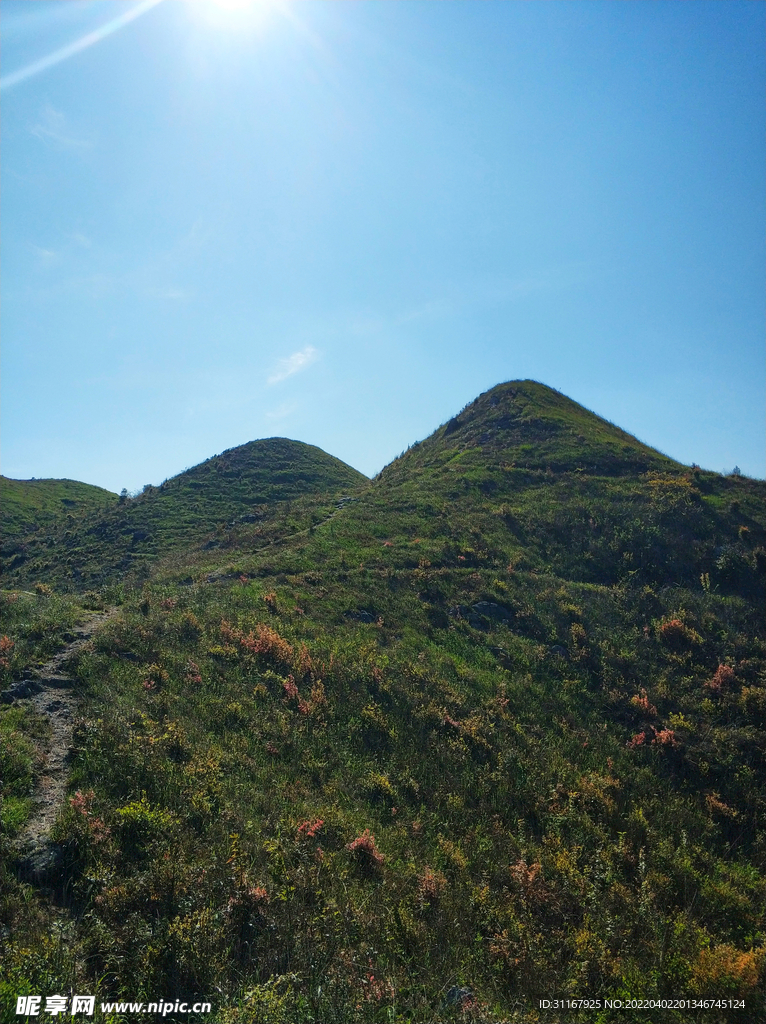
column 64, row 52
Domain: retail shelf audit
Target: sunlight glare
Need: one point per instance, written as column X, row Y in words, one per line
column 234, row 14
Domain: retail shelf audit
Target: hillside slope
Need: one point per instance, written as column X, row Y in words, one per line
column 244, row 482
column 488, row 730
column 27, row 506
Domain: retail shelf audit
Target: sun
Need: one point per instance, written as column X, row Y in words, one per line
column 234, row 14
column 233, row 5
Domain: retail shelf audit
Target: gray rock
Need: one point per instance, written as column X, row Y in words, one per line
column 456, row 996
column 42, row 864
column 360, row 615
column 19, row 690
column 492, row 611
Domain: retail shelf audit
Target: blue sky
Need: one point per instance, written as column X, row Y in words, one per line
column 340, row 222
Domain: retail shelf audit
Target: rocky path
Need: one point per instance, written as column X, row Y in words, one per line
column 49, row 691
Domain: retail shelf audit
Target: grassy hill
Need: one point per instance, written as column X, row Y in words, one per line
column 488, row 730
column 27, row 506
column 242, row 484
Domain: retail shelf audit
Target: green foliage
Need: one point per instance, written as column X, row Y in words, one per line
column 223, row 496
column 30, row 505
column 480, row 728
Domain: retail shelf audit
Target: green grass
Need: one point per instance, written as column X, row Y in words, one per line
column 30, row 505
column 241, row 485
column 501, row 659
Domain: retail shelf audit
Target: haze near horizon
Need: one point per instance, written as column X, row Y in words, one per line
column 340, row 223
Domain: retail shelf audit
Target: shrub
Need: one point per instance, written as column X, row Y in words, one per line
column 642, row 704
column 722, row 680
column 725, row 970
column 365, row 852
column 190, row 629
column 675, row 633
column 6, row 647
column 431, row 886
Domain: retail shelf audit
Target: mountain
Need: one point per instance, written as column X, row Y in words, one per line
column 27, row 506
column 485, row 730
column 124, row 537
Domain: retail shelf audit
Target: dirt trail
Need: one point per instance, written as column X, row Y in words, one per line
column 49, row 691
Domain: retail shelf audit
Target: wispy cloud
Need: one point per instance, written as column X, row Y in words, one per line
column 297, row 361
column 52, row 127
column 45, row 257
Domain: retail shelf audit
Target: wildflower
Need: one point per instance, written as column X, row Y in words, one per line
column 290, row 688
column 722, row 680
column 675, row 633
column 81, row 802
column 665, row 738
column 6, row 646
column 641, row 702
column 431, row 885
column 309, row 829
column 192, row 672
column 365, row 851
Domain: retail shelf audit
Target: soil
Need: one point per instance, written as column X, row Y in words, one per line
column 50, row 691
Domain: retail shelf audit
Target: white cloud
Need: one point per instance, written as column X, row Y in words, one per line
column 52, row 127
column 45, row 257
column 297, row 361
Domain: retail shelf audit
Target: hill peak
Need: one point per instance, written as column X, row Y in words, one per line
column 532, row 426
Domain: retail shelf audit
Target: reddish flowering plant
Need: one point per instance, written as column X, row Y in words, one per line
column 309, row 829
column 192, row 672
column 655, row 737
column 365, row 851
column 665, row 738
column 723, row 679
column 248, row 899
column 264, row 641
column 81, row 803
column 431, row 886
column 290, row 688
column 641, row 702
column 675, row 633
column 6, row 646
